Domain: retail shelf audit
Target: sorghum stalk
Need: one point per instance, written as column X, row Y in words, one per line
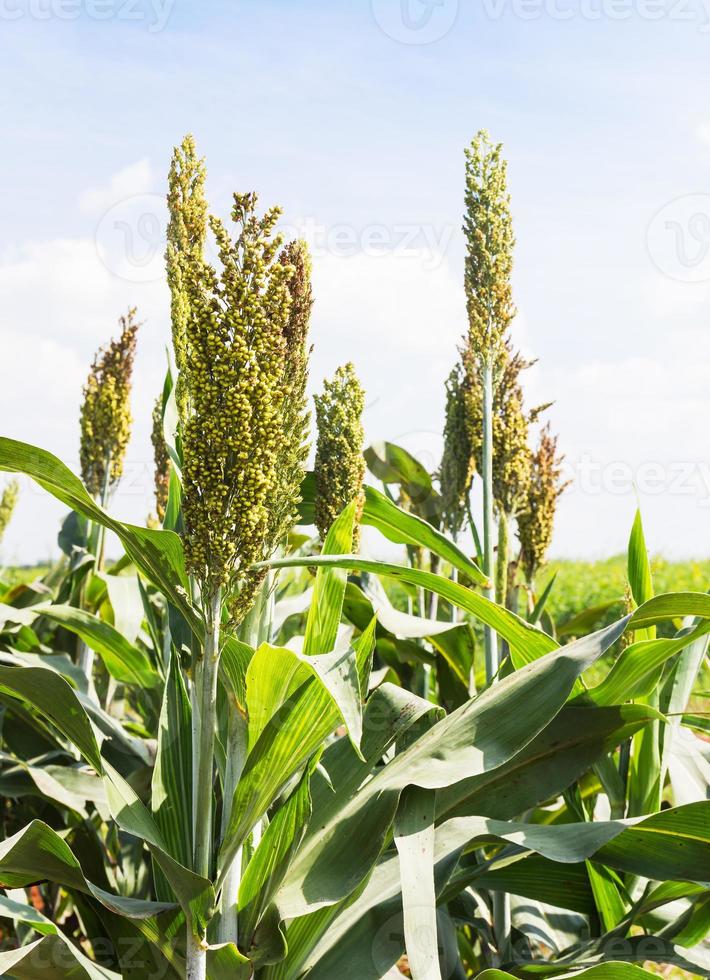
column 490, row 636
column 489, row 232
column 105, row 424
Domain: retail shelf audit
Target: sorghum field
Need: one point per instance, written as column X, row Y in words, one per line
column 240, row 747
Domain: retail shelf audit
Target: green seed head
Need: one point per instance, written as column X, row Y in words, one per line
column 7, row 505
column 106, row 414
column 340, row 464
column 457, row 463
column 536, row 520
column 162, row 461
column 488, row 228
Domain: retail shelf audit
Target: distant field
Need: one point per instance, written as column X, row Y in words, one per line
column 582, row 584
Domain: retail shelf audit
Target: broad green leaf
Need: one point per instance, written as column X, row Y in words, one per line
column 670, row 605
column 609, row 971
column 225, row 962
column 158, row 554
column 327, row 604
column 270, row 861
column 526, row 640
column 636, row 671
column 671, row 845
column 414, row 839
column 38, row 852
column 125, row 597
column 124, row 661
column 194, row 893
column 484, row 734
column 566, row 748
column 47, row 691
column 27, row 915
column 293, row 701
column 172, row 776
column 608, row 899
column 390, row 713
column 52, row 958
column 402, row 527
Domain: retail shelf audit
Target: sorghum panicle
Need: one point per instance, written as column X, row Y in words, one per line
column 511, row 455
column 161, row 473
column 8, row 502
column 106, row 414
column 232, row 367
column 340, row 464
column 457, row 462
column 488, row 229
column 293, row 443
column 186, row 233
column 536, row 520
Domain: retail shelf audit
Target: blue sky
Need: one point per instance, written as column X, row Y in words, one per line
column 354, row 119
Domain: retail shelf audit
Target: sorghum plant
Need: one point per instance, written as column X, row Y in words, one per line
column 488, row 229
column 105, row 427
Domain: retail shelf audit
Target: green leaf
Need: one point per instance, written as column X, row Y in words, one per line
column 402, row 527
column 322, row 866
column 52, row 958
column 639, row 567
column 527, row 641
column 327, row 604
column 560, row 754
column 606, row 889
column 414, row 838
column 271, row 860
column 671, row 845
column 124, row 661
column 194, row 893
column 635, row 673
column 483, row 735
column 172, row 776
column 670, row 605
column 609, row 971
column 293, row 702
column 125, row 597
column 158, row 554
column 47, row 691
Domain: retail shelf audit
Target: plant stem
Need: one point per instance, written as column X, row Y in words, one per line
column 206, row 684
column 255, row 630
column 501, row 902
column 502, row 562
column 206, row 672
column 85, row 656
column 488, row 524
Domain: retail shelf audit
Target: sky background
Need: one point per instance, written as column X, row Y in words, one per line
column 354, row 117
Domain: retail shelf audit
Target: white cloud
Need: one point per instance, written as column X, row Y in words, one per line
column 138, row 178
